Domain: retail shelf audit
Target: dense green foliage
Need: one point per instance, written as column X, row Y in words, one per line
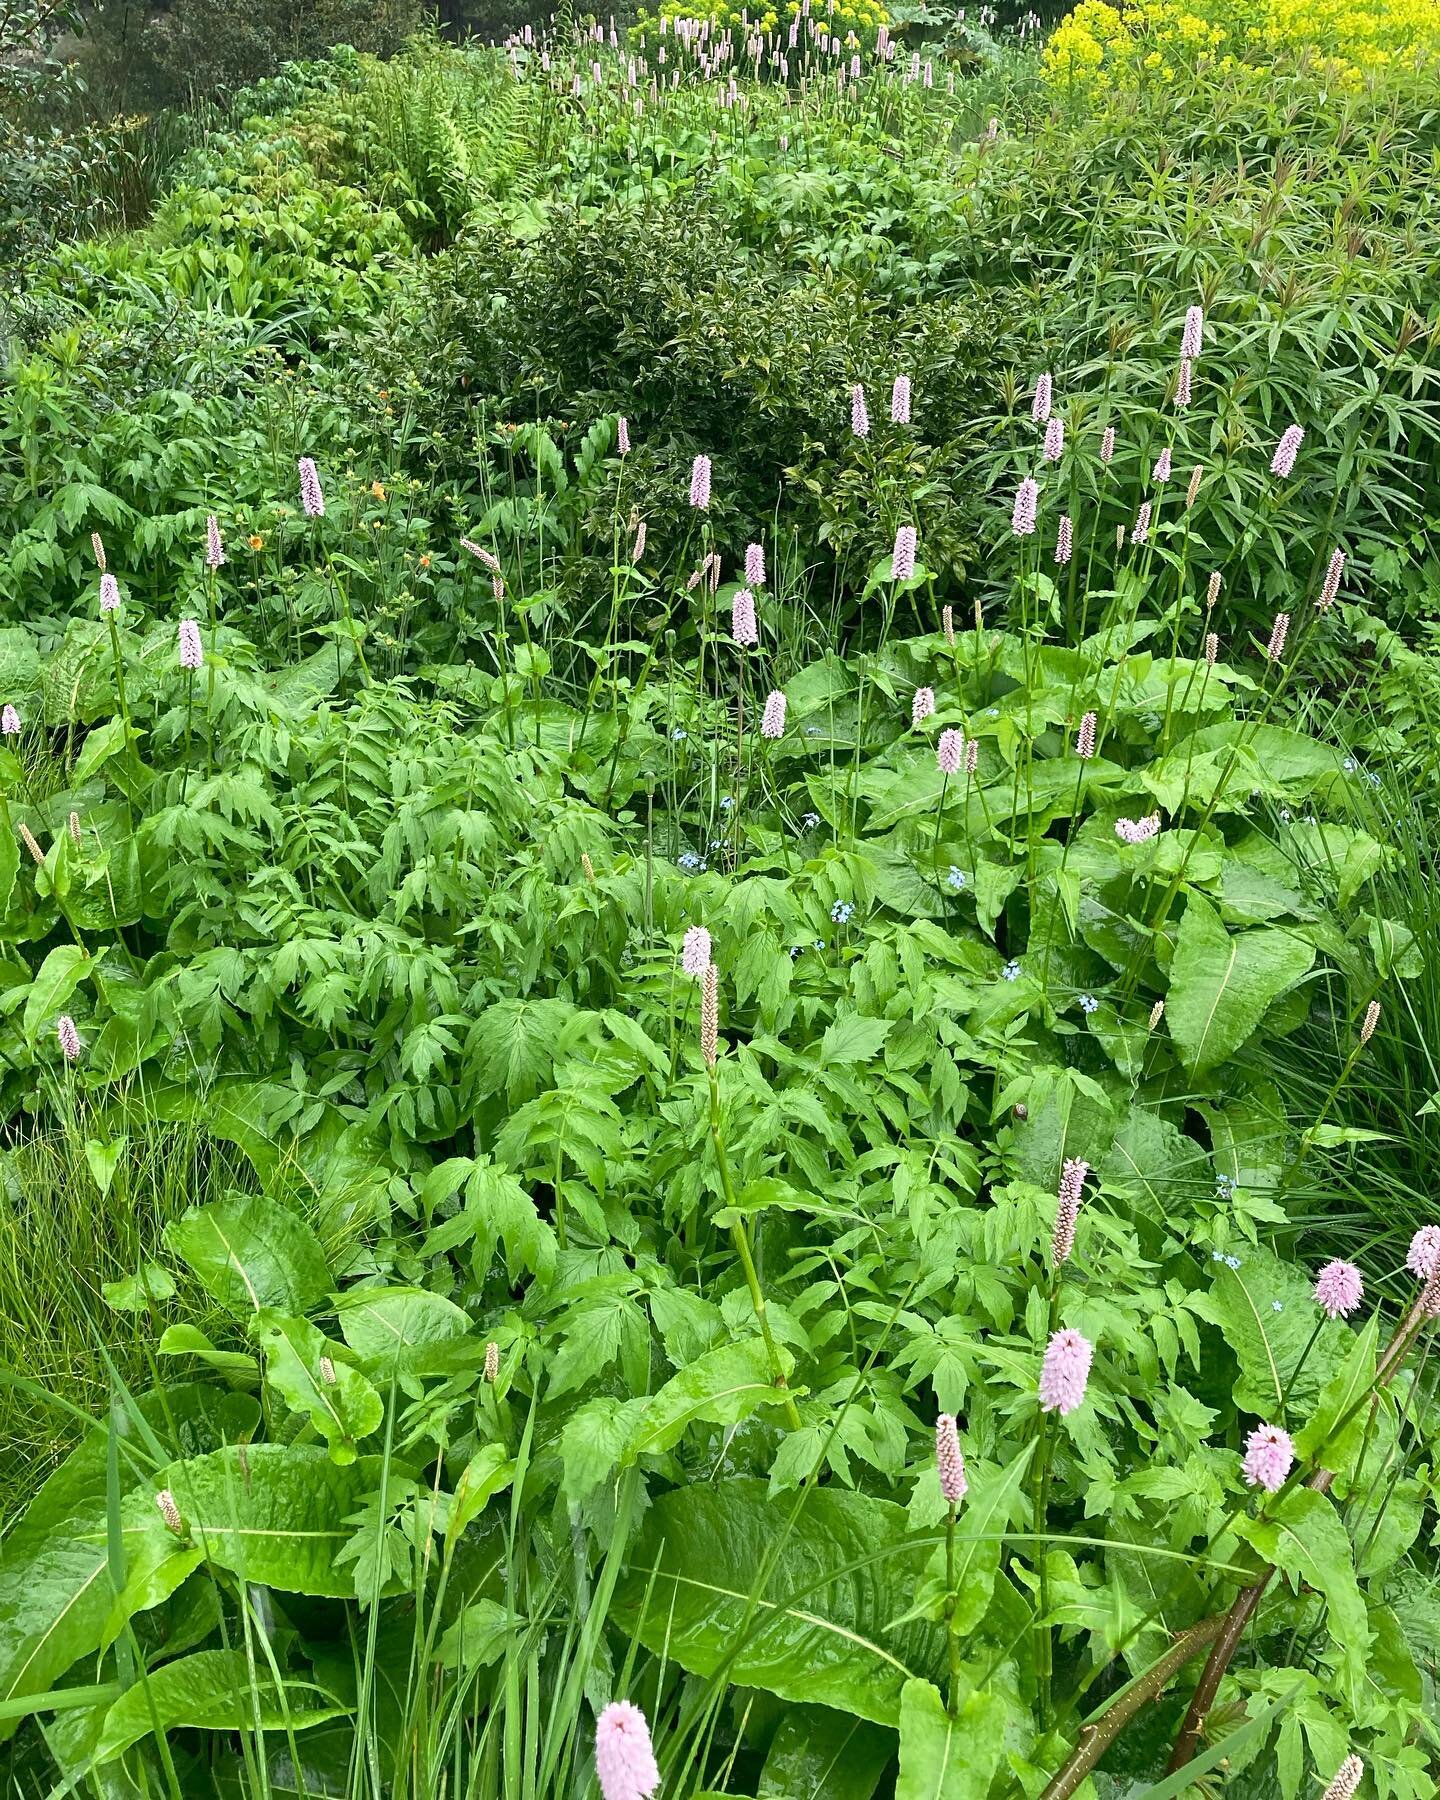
column 419, row 1328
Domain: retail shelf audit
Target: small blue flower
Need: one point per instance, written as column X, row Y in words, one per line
column 703, row 865
column 813, row 731
column 841, row 912
column 1011, row 971
column 1372, row 778
column 687, row 859
column 1348, row 765
column 717, row 843
column 1089, row 1004
column 956, row 878
column 1232, row 1262
column 796, row 950
column 679, row 734
column 1277, row 1306
column 1217, row 1256
column 1225, row 1186
column 726, row 802
column 808, row 821
column 1284, row 815
column 819, row 943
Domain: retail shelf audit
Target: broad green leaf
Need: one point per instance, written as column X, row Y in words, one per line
column 1340, row 1401
column 721, row 1387
column 103, row 1160
column 274, row 1513
column 391, row 1329
column 852, row 1038
column 251, row 1253
column 1222, row 983
column 817, row 1754
column 1272, row 1343
column 819, row 1633
column 488, row 1472
column 1306, row 1540
column 189, row 1340
column 944, row 1757
column 209, row 1691
column 340, row 1403
column 138, row 1292
column 55, row 981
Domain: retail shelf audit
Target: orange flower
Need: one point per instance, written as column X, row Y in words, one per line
column 256, row 541
column 377, row 488
column 425, row 561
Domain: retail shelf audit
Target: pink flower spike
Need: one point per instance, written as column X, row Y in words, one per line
column 1331, row 586
column 772, row 720
column 1339, row 1288
column 695, row 951
column 9, row 722
column 622, row 435
column 1043, row 401
column 859, row 416
column 69, row 1037
column 902, row 557
column 1345, row 1780
column 742, row 618
column 1085, row 737
column 1142, row 524
column 1065, row 1372
column 214, row 547
column 624, row 1760
column 922, row 704
column 900, row 401
column 1269, row 1458
column 1161, row 471
column 700, row 482
column 1054, row 439
column 1182, row 384
column 109, row 594
column 192, row 653
column 949, row 752
column 1191, row 336
column 754, row 565
column 1064, row 540
column 1067, row 1209
column 950, row 1460
column 1027, row 500
column 1275, row 649
column 1107, row 444
column 312, row 497
column 1423, row 1256
column 1283, row 461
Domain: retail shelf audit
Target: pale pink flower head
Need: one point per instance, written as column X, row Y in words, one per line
column 695, row 951
column 1064, row 540
column 1212, row 591
column 1085, row 737
column 972, row 756
column 1142, row 524
column 1369, row 1022
column 1065, row 1372
column 1193, row 334
column 949, row 752
column 312, row 497
column 1138, row 831
column 97, row 546
column 922, row 704
column 859, row 415
column 742, row 618
column 214, row 546
column 1027, row 501
column 192, row 652
column 1331, row 585
column 1423, row 1257
column 622, row 435
column 1283, row 461
column 109, row 594
column 1345, row 1780
column 900, row 401
column 69, row 1037
column 1269, row 1458
column 1043, row 401
column 902, row 558
column 9, row 722
column 754, row 565
column 1339, row 1288
column 700, row 482
column 772, row 720
column 1212, row 648
column 1054, row 439
column 1275, row 649
column 1067, row 1209
column 1192, row 493
column 950, row 1460
column 1183, row 384
column 1107, row 444
column 481, row 554
column 624, row 1760
column 947, row 623
column 1161, row 471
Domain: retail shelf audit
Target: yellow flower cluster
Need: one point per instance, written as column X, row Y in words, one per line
column 844, row 19
column 1102, row 46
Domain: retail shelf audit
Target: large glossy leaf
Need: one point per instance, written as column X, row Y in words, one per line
column 251, row 1253
column 721, row 1387
column 820, row 1632
column 274, row 1513
column 945, row 1757
column 56, row 1594
column 396, row 1330
column 55, row 981
column 817, row 1754
column 209, row 1691
column 1307, row 1541
column 340, row 1403
column 1222, row 983
column 1272, row 1344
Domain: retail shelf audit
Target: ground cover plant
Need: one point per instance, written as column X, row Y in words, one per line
column 715, row 1031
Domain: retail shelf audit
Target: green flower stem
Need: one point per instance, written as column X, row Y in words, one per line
column 951, row 1637
column 741, row 1239
column 1044, row 1649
